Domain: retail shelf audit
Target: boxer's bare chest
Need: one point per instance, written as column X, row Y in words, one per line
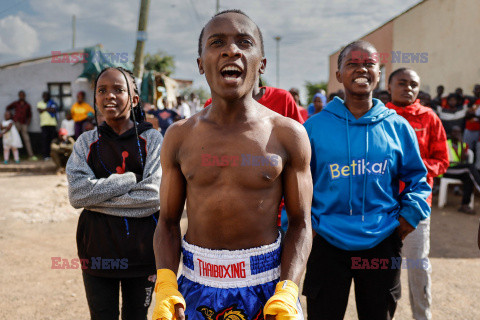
column 249, row 157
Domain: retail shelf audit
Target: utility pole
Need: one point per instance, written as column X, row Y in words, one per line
column 278, row 38
column 218, row 6
column 141, row 38
column 73, row 30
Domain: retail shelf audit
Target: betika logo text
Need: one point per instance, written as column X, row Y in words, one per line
column 358, row 167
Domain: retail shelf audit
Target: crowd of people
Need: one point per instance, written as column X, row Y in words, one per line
column 57, row 144
column 351, row 189
column 457, row 114
column 344, row 196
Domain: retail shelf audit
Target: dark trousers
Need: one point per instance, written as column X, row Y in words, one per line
column 103, row 297
column 79, row 128
column 469, row 176
column 48, row 134
column 330, row 271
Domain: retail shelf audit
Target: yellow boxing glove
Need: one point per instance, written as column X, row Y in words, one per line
column 167, row 295
column 283, row 303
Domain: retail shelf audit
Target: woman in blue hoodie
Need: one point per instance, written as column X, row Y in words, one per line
column 360, row 151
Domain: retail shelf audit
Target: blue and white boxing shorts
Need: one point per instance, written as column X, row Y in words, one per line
column 224, row 284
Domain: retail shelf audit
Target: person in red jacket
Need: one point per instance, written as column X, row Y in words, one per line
column 296, row 96
column 403, row 86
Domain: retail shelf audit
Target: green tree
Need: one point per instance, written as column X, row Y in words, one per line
column 313, row 88
column 160, row 61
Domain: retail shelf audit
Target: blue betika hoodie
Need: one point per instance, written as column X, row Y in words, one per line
column 356, row 167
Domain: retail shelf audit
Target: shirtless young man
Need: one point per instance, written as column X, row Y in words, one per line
column 232, row 162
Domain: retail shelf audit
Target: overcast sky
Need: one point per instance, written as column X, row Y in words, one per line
column 310, row 29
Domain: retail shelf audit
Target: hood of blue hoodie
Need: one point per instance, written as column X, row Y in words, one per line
column 376, row 114
column 356, row 166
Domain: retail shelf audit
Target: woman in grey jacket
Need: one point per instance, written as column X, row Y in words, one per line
column 114, row 174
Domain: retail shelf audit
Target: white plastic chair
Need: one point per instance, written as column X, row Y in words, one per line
column 444, row 182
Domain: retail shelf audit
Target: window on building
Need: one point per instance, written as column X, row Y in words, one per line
column 61, row 93
column 381, row 83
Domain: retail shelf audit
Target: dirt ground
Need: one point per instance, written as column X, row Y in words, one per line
column 37, row 223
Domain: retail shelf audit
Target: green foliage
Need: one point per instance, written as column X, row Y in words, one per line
column 160, row 62
column 313, row 88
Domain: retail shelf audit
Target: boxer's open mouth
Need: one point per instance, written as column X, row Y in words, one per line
column 231, row 72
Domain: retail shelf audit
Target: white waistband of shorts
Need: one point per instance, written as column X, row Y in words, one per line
column 231, row 268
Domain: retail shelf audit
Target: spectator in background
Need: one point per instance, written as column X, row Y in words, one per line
column 90, row 119
column 340, row 93
column 460, row 168
column 318, row 102
column 439, row 100
column 68, row 124
column 165, row 118
column 148, row 108
column 312, row 108
column 472, row 124
column 475, row 100
column 194, row 103
column 331, row 96
column 404, row 86
column 47, row 108
column 80, row 111
column 61, row 148
column 454, row 113
column 87, row 126
column 296, row 96
column 22, row 115
column 383, row 96
column 459, row 92
column 465, row 100
column 183, row 109
column 10, row 138
column 426, row 100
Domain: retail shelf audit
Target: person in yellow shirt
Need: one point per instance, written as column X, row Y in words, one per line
column 79, row 112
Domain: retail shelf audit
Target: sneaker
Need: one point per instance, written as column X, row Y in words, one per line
column 5, row 161
column 465, row 208
column 17, row 161
column 33, row 158
column 47, row 159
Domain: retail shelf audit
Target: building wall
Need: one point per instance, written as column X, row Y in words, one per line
column 448, row 30
column 32, row 77
column 381, row 38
